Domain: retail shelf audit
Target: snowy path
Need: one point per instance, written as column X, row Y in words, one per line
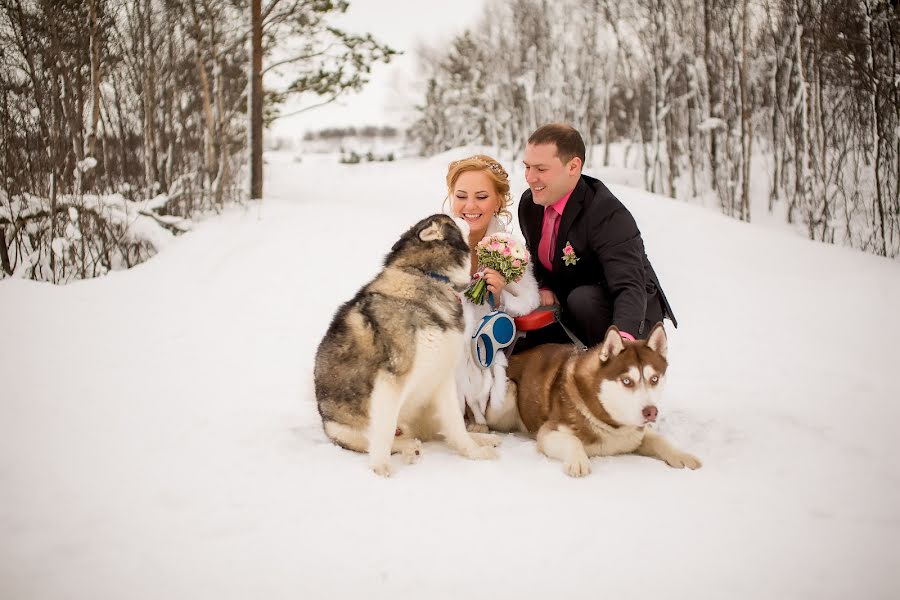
column 158, row 438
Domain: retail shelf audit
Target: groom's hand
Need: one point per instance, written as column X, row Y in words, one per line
column 548, row 298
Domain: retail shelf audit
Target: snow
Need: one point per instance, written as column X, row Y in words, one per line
column 711, row 123
column 159, row 437
column 137, row 216
column 87, row 164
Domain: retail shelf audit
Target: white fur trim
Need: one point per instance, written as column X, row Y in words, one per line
column 477, row 386
column 498, row 389
column 521, row 297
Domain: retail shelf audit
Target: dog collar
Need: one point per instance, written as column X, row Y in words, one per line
column 445, row 279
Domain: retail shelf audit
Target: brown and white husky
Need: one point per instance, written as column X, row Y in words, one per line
column 599, row 402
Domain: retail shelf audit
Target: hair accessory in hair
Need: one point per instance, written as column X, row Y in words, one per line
column 488, row 164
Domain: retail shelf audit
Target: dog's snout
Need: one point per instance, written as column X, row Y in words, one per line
column 650, row 413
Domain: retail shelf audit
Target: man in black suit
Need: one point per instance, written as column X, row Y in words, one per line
column 587, row 252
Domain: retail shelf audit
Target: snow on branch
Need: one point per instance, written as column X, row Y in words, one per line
column 84, row 235
column 711, row 124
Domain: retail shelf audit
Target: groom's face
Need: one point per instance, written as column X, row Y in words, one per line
column 547, row 176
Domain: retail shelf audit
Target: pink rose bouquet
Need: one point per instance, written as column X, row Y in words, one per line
column 501, row 252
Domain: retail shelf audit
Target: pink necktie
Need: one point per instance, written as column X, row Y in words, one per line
column 548, row 232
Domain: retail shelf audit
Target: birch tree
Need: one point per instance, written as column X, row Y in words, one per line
column 710, row 91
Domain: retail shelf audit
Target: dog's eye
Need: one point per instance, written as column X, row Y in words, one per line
column 626, row 381
column 654, row 380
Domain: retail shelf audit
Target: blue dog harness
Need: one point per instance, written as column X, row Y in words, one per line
column 495, row 332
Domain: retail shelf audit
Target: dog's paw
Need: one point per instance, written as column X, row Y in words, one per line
column 577, row 466
column 383, row 469
column 481, row 453
column 487, row 439
column 680, row 460
column 477, row 428
column 411, row 451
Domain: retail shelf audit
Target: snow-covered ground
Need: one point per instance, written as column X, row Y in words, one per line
column 159, row 438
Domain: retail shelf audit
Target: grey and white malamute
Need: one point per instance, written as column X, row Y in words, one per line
column 384, row 372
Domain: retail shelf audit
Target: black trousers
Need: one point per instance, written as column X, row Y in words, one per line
column 587, row 312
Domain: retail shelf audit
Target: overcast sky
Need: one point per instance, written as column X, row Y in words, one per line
column 402, row 24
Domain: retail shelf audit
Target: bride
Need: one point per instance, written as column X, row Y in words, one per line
column 478, row 189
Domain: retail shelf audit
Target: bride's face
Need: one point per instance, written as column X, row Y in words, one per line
column 475, row 199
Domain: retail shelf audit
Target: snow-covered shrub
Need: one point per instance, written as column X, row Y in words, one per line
column 81, row 236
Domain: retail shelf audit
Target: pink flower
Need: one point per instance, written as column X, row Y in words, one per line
column 569, row 255
column 517, row 263
column 506, row 252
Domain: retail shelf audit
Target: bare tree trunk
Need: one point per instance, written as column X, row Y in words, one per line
column 672, row 153
column 255, row 107
column 4, row 254
column 893, row 26
column 824, row 167
column 620, row 55
column 206, row 94
column 714, row 108
column 876, row 125
column 733, row 143
column 746, row 125
column 658, row 96
column 151, row 174
column 53, row 135
column 94, row 118
column 123, row 135
column 779, row 80
column 803, row 176
column 221, row 155
column 208, row 117
column 694, row 117
column 588, row 108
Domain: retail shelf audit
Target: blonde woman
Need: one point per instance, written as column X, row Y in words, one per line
column 478, row 189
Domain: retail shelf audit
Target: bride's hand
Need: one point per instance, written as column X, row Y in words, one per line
column 495, row 282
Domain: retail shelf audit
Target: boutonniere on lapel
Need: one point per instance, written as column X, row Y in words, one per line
column 569, row 255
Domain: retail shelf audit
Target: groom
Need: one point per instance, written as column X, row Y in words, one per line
column 587, row 252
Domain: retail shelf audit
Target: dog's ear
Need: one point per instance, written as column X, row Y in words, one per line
column 432, row 232
column 612, row 344
column 658, row 340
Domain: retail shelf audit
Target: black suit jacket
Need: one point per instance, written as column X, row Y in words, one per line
column 609, row 247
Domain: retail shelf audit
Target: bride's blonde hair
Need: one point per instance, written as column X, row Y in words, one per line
column 498, row 175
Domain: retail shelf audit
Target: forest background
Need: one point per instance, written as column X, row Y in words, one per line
column 123, row 123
